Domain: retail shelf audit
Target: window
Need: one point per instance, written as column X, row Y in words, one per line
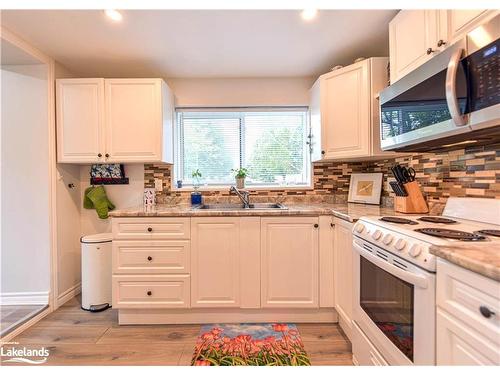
column 271, row 144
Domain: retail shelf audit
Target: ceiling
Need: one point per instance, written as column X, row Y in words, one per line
column 203, row 43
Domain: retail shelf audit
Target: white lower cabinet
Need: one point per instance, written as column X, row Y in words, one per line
column 150, row 291
column 343, row 274
column 290, row 252
column 467, row 322
column 215, row 262
column 213, row 269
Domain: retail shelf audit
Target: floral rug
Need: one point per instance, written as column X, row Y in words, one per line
column 249, row 345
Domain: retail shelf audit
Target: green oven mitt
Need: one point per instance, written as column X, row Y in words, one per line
column 95, row 197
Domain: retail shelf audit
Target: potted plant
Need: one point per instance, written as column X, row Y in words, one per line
column 240, row 174
column 196, row 195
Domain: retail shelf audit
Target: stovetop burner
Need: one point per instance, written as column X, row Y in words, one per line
column 398, row 220
column 489, row 232
column 437, row 220
column 450, row 233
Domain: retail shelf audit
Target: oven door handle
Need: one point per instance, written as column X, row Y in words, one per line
column 417, row 280
column 451, row 89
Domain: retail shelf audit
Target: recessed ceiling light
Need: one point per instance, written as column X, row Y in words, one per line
column 309, row 14
column 113, row 14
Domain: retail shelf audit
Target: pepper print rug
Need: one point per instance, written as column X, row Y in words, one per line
column 249, row 345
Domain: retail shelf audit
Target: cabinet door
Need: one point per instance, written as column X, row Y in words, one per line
column 459, row 22
column 315, row 119
column 289, row 262
column 215, row 280
column 345, row 112
column 80, row 118
column 134, row 120
column 459, row 344
column 343, row 275
column 411, row 34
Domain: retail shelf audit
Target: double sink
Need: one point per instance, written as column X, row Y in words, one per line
column 240, row 206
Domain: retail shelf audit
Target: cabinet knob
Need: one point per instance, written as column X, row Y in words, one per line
column 150, row 229
column 332, row 225
column 316, row 225
column 107, row 155
column 322, row 152
column 149, row 293
column 99, row 155
column 150, row 258
column 486, row 312
column 441, row 43
column 430, row 50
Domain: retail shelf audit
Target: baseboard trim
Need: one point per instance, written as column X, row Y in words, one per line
column 68, row 294
column 224, row 315
column 25, row 298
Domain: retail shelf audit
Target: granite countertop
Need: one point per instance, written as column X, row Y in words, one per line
column 478, row 257
column 346, row 211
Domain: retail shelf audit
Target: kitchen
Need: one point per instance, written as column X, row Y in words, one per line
column 337, row 197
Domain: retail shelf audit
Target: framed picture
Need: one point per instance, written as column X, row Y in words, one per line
column 365, row 188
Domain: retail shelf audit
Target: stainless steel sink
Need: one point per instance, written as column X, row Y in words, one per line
column 239, row 206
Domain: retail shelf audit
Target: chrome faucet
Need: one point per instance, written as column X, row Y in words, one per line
column 242, row 194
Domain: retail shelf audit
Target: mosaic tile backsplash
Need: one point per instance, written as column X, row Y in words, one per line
column 469, row 172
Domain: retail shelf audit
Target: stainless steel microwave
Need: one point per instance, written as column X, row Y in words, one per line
column 452, row 98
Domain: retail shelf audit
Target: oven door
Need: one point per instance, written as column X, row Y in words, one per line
column 394, row 305
column 428, row 104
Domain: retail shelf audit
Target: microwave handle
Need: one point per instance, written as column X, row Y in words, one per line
column 451, row 88
column 417, row 280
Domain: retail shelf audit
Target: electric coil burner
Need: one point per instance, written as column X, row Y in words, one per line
column 398, row 220
column 437, row 220
column 489, row 232
column 451, row 234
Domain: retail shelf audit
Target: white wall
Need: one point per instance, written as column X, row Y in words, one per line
column 122, row 196
column 25, row 251
column 227, row 92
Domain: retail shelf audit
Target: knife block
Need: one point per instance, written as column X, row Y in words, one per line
column 414, row 203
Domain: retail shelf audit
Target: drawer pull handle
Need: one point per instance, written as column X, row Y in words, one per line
column 150, row 229
column 149, row 293
column 486, row 312
column 150, row 258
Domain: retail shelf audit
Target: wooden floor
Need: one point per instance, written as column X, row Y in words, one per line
column 77, row 337
column 12, row 316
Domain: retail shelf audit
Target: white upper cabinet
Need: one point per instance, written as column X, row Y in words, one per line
column 416, row 35
column 289, row 260
column 346, row 121
column 80, row 120
column 413, row 37
column 458, row 22
column 114, row 121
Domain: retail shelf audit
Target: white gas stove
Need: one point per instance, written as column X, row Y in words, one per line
column 394, row 277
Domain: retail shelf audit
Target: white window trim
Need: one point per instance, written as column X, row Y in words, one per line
column 173, row 182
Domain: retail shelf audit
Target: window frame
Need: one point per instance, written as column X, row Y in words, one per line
column 178, row 161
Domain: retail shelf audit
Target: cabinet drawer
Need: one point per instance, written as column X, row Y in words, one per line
column 459, row 344
column 151, row 256
column 151, row 291
column 463, row 293
column 150, row 228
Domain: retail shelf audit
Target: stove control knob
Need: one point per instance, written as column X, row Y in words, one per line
column 359, row 227
column 387, row 239
column 400, row 244
column 415, row 250
column 376, row 234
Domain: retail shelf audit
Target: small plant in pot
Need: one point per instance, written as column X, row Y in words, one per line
column 240, row 174
column 196, row 195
